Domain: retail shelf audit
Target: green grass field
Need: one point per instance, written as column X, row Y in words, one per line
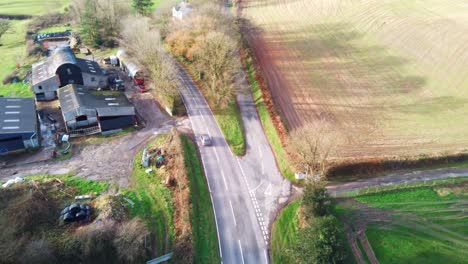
column 205, row 240
column 13, row 51
column 404, row 245
column 423, row 224
column 32, row 7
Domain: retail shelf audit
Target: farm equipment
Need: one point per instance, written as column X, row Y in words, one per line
column 148, row 154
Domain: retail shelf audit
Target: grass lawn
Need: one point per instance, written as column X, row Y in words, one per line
column 403, row 245
column 270, row 131
column 83, row 186
column 32, row 7
column 13, row 51
column 153, row 202
column 205, row 240
column 230, row 122
column 284, row 233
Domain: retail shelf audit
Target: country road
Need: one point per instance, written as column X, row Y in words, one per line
column 246, row 192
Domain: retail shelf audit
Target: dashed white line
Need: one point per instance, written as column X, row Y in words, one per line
column 242, row 254
column 224, row 180
column 216, row 154
column 266, row 256
column 233, row 215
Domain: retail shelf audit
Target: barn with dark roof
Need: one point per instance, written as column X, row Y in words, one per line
column 89, row 112
column 61, row 68
column 18, row 124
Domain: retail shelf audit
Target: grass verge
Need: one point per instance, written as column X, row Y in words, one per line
column 284, row 233
column 153, row 202
column 230, row 122
column 205, row 240
column 268, row 126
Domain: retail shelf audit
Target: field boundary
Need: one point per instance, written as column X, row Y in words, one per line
column 385, row 165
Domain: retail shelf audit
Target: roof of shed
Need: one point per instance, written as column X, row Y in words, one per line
column 47, row 68
column 17, row 115
column 76, row 100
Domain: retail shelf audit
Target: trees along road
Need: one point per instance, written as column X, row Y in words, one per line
column 246, row 192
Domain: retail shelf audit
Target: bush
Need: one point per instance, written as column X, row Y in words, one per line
column 130, row 241
column 32, row 212
column 321, row 242
column 11, row 78
column 97, row 242
column 316, row 201
column 38, row 252
column 33, row 48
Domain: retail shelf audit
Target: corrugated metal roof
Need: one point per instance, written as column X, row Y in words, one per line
column 47, row 68
column 76, row 100
column 17, row 115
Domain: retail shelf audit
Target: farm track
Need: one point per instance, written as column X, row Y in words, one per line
column 391, row 75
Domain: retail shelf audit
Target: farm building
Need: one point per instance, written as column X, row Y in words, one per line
column 63, row 68
column 87, row 112
column 18, row 124
column 181, row 10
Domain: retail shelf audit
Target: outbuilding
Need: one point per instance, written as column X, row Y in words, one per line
column 61, row 68
column 89, row 112
column 18, row 124
column 181, row 10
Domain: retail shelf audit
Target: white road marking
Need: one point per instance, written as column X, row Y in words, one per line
column 242, row 254
column 216, row 154
column 232, row 211
column 263, row 168
column 260, row 151
column 268, row 190
column 224, row 180
column 266, row 256
column 254, row 189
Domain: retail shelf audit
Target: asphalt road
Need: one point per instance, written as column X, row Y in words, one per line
column 246, row 192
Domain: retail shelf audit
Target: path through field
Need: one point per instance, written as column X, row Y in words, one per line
column 392, row 74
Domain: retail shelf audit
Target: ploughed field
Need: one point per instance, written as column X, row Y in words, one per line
column 391, row 74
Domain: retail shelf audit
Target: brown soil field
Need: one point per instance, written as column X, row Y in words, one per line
column 392, row 75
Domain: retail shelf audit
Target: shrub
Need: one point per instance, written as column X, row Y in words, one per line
column 130, row 241
column 38, row 252
column 321, row 242
column 96, row 242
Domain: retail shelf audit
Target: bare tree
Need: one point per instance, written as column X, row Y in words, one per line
column 208, row 38
column 313, row 145
column 216, row 61
column 144, row 42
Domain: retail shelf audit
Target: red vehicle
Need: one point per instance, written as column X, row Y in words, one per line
column 133, row 70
